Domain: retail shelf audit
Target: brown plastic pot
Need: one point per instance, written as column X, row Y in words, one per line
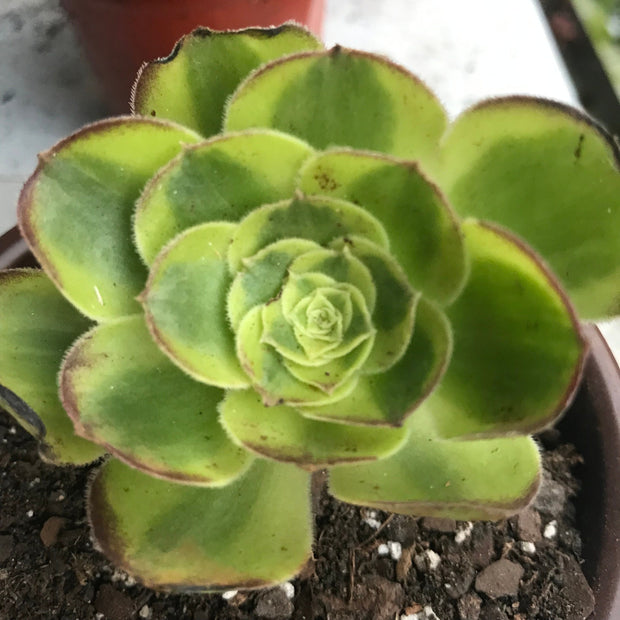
column 119, row 35
column 592, row 424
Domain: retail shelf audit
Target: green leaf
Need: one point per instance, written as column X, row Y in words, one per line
column 341, row 97
column 262, row 276
column 75, row 211
column 221, row 179
column 334, row 372
column 268, row 373
column 38, row 325
column 322, row 315
column 386, row 399
column 518, row 352
column 290, row 343
column 547, row 173
column 424, row 233
column 281, row 433
column 341, row 266
column 466, row 480
column 316, row 218
column 124, row 394
column 394, row 313
column 253, row 533
column 191, row 85
column 289, row 337
column 185, row 305
column 299, row 294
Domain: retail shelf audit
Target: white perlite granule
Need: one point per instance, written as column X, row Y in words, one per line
column 528, row 547
column 396, row 550
column 426, row 614
column 551, row 530
column 428, row 558
column 373, row 523
column 289, row 590
column 371, row 520
column 391, row 548
column 463, row 534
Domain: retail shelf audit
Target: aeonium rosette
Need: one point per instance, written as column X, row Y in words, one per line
column 302, row 268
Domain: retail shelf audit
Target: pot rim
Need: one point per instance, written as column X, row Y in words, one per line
column 597, row 438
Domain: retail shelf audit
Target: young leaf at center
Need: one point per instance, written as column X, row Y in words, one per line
column 185, row 305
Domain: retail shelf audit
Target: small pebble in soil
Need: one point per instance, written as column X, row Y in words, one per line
column 500, row 579
column 145, row 612
column 50, row 530
column 482, row 547
column 528, row 525
column 273, row 604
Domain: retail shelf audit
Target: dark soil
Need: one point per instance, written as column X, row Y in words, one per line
column 367, row 566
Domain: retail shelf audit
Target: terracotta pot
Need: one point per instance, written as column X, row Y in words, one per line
column 592, row 424
column 119, row 35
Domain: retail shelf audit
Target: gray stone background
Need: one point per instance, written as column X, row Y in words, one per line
column 464, row 50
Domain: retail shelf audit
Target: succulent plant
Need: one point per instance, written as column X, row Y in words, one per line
column 288, row 261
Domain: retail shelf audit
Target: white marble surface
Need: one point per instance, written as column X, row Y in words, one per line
column 46, row 90
column 464, row 50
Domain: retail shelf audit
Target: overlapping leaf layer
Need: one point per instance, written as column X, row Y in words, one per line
column 301, row 268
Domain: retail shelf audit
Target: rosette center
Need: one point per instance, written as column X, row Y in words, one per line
column 317, row 317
